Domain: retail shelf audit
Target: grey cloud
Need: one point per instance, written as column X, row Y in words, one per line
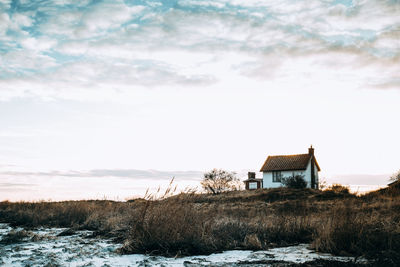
column 13, row 185
column 361, row 179
column 147, row 73
column 388, row 84
column 122, row 173
column 7, row 165
column 17, row 187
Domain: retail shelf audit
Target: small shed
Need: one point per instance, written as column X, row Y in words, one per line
column 252, row 182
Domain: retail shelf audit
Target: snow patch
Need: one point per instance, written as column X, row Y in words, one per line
column 79, row 249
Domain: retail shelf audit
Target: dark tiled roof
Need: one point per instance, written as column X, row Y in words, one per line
column 287, row 163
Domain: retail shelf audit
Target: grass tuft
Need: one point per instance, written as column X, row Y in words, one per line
column 14, row 237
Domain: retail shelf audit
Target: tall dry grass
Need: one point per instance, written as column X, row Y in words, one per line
column 103, row 217
column 332, row 221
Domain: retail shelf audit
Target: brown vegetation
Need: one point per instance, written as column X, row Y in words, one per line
column 16, row 237
column 332, row 221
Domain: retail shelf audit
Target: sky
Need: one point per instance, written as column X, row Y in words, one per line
column 127, row 94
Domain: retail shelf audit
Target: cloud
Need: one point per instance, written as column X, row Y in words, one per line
column 105, row 17
column 5, row 4
column 122, row 46
column 5, row 186
column 26, row 62
column 387, row 84
column 37, row 44
column 116, row 184
column 4, row 21
column 121, row 173
column 22, row 20
column 361, row 179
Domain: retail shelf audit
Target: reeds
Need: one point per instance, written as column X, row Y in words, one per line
column 190, row 223
column 16, row 237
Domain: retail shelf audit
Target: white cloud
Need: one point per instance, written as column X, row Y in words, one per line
column 4, row 21
column 70, row 2
column 104, row 17
column 38, row 44
column 22, row 20
column 18, row 60
column 389, row 40
column 202, row 3
column 74, row 48
column 63, row 24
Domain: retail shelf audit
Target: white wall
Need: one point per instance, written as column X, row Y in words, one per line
column 267, row 178
column 268, row 183
column 307, row 174
column 316, row 176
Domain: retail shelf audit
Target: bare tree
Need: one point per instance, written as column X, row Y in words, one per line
column 217, row 181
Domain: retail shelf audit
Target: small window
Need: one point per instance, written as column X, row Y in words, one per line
column 253, row 185
column 276, row 177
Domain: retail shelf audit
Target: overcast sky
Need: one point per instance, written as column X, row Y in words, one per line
column 193, row 85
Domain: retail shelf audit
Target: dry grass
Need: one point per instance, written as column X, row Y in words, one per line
column 16, row 237
column 332, row 221
column 103, row 217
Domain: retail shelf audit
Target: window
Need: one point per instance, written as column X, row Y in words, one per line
column 276, row 177
column 253, row 185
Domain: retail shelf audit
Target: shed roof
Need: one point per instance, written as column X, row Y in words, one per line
column 253, row 180
column 287, row 163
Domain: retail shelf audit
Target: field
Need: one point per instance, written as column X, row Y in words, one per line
column 333, row 221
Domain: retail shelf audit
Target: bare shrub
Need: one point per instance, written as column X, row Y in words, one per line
column 217, row 181
column 322, row 184
column 338, row 188
column 295, row 181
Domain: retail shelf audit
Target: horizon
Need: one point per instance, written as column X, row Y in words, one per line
column 121, row 185
column 116, row 97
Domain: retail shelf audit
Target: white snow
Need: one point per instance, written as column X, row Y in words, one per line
column 81, row 250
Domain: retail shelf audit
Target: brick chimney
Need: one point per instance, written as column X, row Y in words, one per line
column 311, row 151
column 252, row 175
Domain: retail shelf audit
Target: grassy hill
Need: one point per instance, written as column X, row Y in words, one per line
column 333, row 221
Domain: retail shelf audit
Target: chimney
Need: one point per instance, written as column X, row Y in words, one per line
column 311, row 151
column 252, row 175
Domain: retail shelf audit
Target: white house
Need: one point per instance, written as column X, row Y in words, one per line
column 277, row 167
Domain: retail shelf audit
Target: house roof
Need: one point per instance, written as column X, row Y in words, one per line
column 287, row 163
column 253, row 180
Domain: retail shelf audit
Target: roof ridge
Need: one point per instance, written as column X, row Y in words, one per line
column 289, row 155
column 286, row 162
